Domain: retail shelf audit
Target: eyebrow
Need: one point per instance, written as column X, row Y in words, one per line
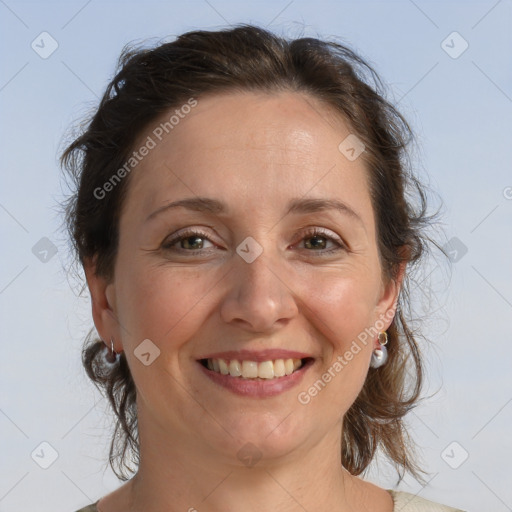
column 296, row 206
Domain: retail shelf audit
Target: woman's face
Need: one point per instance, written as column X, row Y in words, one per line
column 250, row 276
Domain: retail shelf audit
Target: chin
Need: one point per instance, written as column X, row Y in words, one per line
column 258, row 437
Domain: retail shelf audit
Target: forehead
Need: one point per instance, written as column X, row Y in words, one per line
column 243, row 145
column 279, row 122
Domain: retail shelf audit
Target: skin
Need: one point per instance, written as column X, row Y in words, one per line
column 255, row 152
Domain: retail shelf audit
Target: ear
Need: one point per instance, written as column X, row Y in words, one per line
column 103, row 305
column 386, row 307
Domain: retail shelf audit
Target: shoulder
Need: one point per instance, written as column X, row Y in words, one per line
column 89, row 508
column 405, row 502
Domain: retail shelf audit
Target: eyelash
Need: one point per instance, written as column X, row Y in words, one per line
column 311, row 233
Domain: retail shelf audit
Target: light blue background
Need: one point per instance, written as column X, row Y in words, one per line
column 460, row 109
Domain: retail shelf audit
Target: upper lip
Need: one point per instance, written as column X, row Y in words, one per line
column 257, row 355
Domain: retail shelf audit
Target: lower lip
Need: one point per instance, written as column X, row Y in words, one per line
column 255, row 387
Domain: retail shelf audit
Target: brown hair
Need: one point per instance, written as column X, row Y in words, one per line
column 149, row 82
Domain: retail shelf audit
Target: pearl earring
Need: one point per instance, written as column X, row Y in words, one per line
column 380, row 354
column 111, row 356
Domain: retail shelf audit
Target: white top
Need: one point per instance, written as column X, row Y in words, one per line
column 405, row 502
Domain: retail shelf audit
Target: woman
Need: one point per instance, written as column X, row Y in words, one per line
column 241, row 218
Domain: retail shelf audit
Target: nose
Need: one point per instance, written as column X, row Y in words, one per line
column 259, row 297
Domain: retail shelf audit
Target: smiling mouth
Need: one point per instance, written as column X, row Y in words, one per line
column 252, row 370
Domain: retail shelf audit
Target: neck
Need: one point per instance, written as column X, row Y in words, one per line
column 178, row 475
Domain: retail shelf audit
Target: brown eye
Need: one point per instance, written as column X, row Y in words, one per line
column 317, row 240
column 318, row 243
column 190, row 241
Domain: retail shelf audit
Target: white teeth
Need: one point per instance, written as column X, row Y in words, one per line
column 279, row 370
column 223, row 367
column 249, row 369
column 266, row 370
column 252, row 369
column 235, row 368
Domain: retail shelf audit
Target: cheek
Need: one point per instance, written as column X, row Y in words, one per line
column 340, row 308
column 169, row 304
column 340, row 304
column 161, row 303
